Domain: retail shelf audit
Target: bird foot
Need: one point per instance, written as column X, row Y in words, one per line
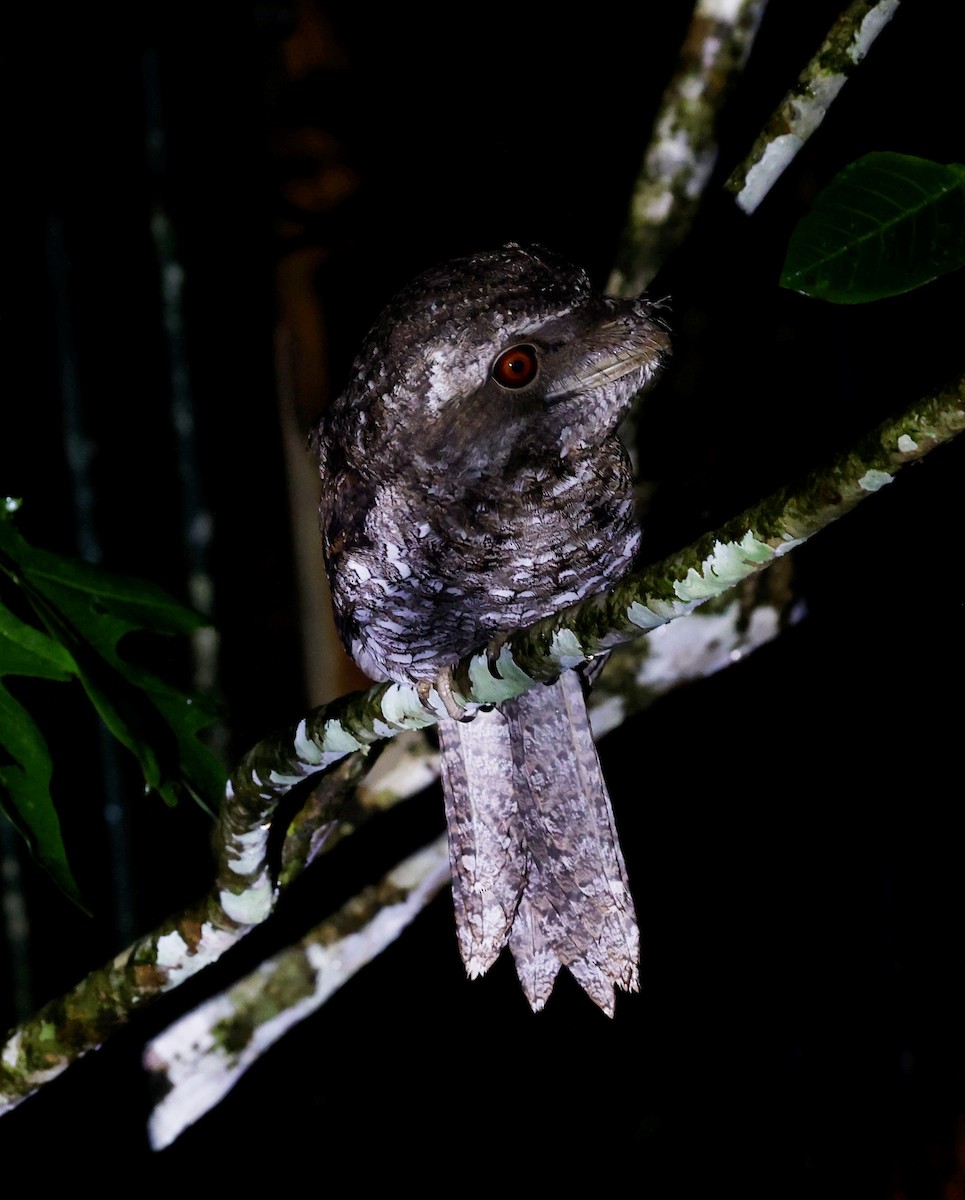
column 443, row 686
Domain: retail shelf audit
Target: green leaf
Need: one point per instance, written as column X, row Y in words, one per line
column 884, row 225
column 26, row 777
column 88, row 612
column 25, row 650
column 26, row 782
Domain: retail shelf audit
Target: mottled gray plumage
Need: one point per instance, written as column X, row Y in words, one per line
column 473, row 482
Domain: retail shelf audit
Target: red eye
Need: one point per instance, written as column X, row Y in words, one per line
column 516, row 367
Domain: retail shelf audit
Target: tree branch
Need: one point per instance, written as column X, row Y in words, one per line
column 244, row 895
column 806, row 105
column 200, row 1058
column 683, row 148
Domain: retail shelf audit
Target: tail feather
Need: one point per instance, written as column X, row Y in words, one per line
column 487, row 849
column 535, row 857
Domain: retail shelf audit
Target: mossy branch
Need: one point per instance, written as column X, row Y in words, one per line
column 682, row 150
column 806, row 105
column 201, row 1057
column 244, row 893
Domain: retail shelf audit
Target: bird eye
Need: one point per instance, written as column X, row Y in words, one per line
column 516, row 367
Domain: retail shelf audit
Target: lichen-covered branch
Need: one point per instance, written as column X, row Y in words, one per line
column 806, row 105
column 718, row 561
column 39, row 1049
column 683, row 147
column 638, row 673
column 204, row 1054
column 718, row 634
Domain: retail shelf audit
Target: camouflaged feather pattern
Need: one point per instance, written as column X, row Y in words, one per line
column 473, row 482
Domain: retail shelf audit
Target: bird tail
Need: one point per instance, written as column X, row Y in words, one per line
column 535, row 858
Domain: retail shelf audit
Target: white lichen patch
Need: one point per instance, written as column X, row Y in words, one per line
column 806, row 114
column 872, row 481
column 760, row 178
column 643, row 617
column 285, row 780
column 11, row 1051
column 655, row 204
column 721, row 10
column 305, row 748
column 171, row 951
column 403, row 709
column 247, row 851
column 810, row 109
column 488, row 688
column 907, row 444
column 565, row 649
column 179, row 961
column 870, row 27
column 337, row 741
column 703, row 168
column 657, row 612
column 727, row 564
column 253, row 905
column 672, row 152
column 788, row 544
column 193, row 1066
column 424, row 873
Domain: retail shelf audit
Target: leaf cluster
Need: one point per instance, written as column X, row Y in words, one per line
column 79, row 617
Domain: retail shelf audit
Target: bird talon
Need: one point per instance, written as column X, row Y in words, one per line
column 423, row 691
column 493, row 651
column 443, row 686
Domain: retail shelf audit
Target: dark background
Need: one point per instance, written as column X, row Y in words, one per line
column 792, row 827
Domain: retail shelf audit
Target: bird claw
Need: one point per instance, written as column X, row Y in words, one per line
column 443, row 685
column 493, row 651
column 424, row 691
